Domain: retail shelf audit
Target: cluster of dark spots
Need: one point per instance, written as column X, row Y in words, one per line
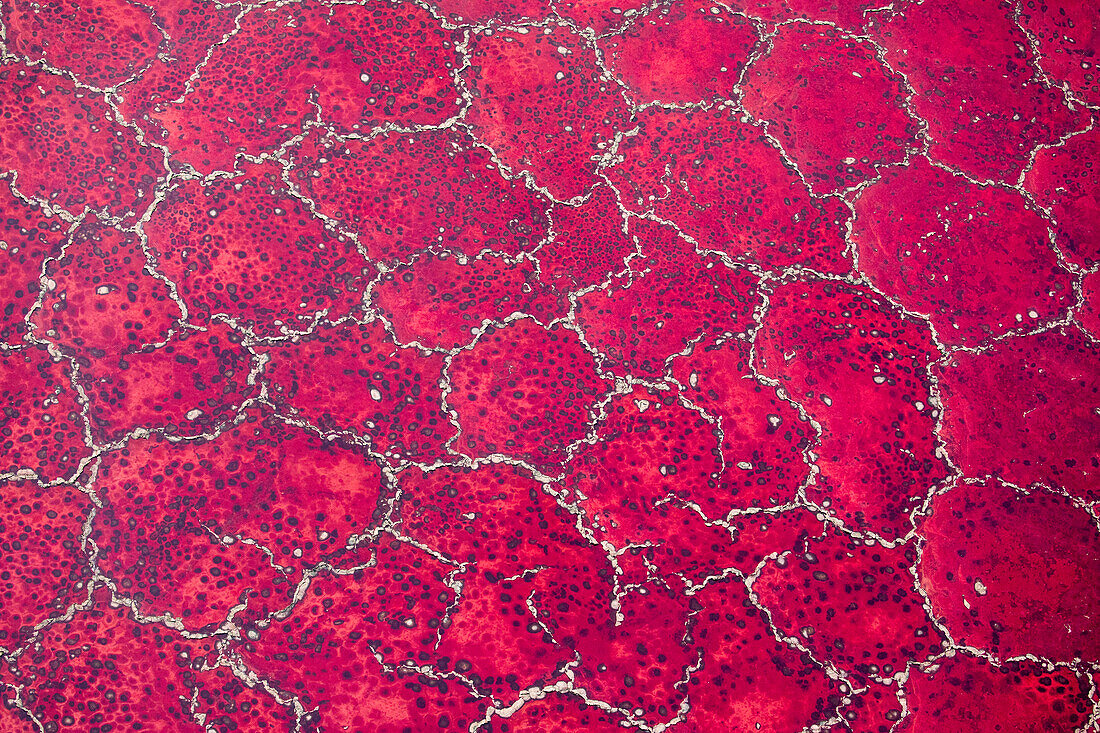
column 524, row 390
column 82, row 156
column 724, row 169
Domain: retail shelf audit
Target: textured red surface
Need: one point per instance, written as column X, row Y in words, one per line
column 548, row 366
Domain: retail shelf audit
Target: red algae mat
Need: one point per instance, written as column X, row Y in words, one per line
column 549, row 366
